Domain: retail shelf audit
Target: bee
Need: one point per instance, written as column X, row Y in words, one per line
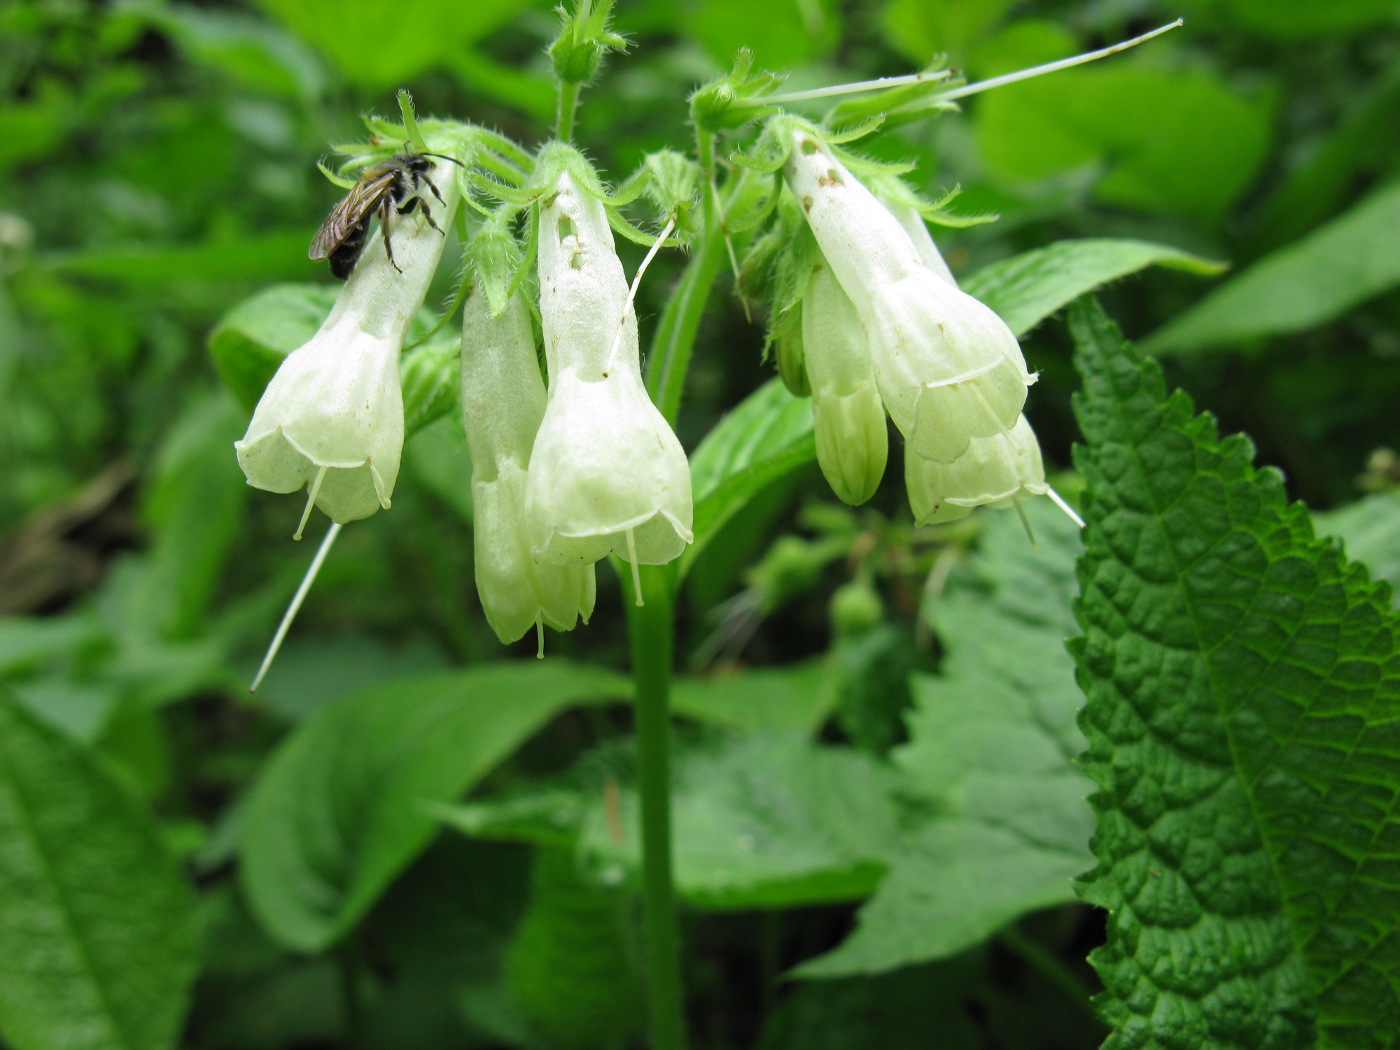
column 390, row 185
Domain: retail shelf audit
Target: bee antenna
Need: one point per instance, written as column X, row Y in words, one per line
column 444, row 156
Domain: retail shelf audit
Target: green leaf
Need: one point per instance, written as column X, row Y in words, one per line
column 794, row 698
column 432, row 381
column 97, row 924
column 1169, row 140
column 1370, row 528
column 1242, row 680
column 381, row 45
column 571, row 968
column 1027, row 288
column 1306, row 19
column 766, row 437
column 991, row 740
column 342, row 807
column 764, row 822
column 1345, row 262
column 250, row 341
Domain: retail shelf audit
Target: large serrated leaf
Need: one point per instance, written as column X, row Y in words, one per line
column 342, row 807
column 97, row 926
column 1243, row 683
column 1027, row 288
column 1308, row 283
column 992, row 739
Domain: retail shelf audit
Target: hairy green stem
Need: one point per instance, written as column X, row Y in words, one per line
column 651, row 628
column 568, row 106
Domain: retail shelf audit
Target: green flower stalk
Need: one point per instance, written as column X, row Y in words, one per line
column 606, row 474
column 332, row 417
column 948, row 368
column 847, row 416
column 503, row 400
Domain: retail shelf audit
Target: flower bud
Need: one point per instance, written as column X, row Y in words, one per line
column 849, row 420
column 332, row 416
column 994, row 471
column 607, row 473
column 503, row 401
column 948, row 368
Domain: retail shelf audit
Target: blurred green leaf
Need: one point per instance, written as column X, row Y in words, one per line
column 256, row 52
column 921, row 29
column 993, row 737
column 97, row 926
column 797, row 697
column 1303, row 19
column 341, row 807
column 194, row 506
column 571, row 969
column 381, row 45
column 258, row 257
column 252, row 338
column 1027, row 288
column 767, row 436
column 764, row 822
column 1171, row 141
column 1308, row 283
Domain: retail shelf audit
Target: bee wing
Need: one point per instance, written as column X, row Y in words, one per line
column 352, row 210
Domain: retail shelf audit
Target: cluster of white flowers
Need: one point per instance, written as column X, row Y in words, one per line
column 884, row 323
column 560, row 479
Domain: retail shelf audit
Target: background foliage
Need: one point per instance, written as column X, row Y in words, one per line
column 412, row 837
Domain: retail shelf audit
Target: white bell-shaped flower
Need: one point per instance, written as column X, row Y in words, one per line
column 503, row 401
column 332, row 416
column 848, row 418
column 995, row 471
column 948, row 368
column 607, row 473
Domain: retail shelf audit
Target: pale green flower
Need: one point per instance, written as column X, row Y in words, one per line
column 332, row 416
column 998, row 471
column 607, row 473
column 503, row 400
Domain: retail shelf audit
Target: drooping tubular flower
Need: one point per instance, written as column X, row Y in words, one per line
column 847, row 416
column 948, row 368
column 503, row 401
column 998, row 471
column 332, row 416
column 606, row 473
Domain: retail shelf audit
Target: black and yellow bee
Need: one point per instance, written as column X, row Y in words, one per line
column 394, row 184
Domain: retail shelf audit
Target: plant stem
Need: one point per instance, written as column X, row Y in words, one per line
column 675, row 335
column 650, row 627
column 568, row 104
column 1052, row 969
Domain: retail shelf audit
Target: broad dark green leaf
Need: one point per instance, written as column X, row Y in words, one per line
column 1310, row 282
column 795, row 698
column 97, row 925
column 991, row 740
column 342, row 806
column 1243, row 680
column 1027, row 288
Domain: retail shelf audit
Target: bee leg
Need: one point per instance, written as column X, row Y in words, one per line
column 435, row 191
column 416, row 204
column 385, row 209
